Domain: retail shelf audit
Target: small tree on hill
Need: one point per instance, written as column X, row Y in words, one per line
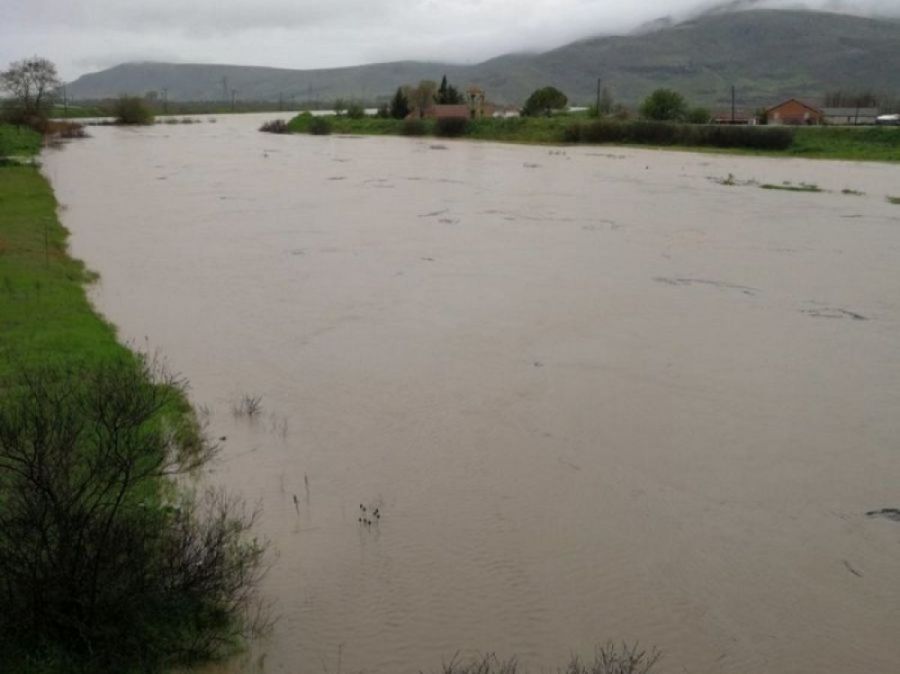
column 664, row 105
column 31, row 83
column 544, row 102
column 340, row 105
column 447, row 94
column 399, row 105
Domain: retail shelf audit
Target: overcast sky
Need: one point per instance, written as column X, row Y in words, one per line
column 86, row 35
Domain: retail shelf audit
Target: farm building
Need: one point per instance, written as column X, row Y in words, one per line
column 850, row 116
column 794, row 112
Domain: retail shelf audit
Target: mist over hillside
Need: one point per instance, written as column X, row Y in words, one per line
column 767, row 54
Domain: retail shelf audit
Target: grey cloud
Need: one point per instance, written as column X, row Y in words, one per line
column 84, row 35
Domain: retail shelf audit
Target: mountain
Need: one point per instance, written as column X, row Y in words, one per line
column 768, row 55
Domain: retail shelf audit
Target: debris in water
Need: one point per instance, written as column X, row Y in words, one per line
column 892, row 514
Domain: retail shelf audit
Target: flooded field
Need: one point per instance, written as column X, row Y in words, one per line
column 595, row 393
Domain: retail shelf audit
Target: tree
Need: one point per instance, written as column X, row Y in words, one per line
column 448, row 94
column 698, row 116
column 399, row 105
column 340, row 105
column 544, row 102
column 104, row 559
column 32, row 84
column 423, row 96
column 664, row 105
column 132, row 110
column 355, row 110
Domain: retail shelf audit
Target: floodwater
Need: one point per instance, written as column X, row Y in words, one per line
column 595, row 393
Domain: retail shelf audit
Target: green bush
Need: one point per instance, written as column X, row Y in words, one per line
column 451, row 127
column 664, row 133
column 356, row 111
column 664, row 105
column 698, row 116
column 414, row 127
column 319, row 126
column 544, row 101
column 132, row 110
column 105, row 564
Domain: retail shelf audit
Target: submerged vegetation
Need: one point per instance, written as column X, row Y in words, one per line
column 791, row 187
column 106, row 563
column 609, row 658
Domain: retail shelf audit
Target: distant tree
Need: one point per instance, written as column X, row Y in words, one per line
column 448, row 94
column 664, row 105
column 132, row 110
column 384, row 111
column 423, row 96
column 32, row 83
column 544, row 102
column 698, row 116
column 399, row 105
column 355, row 110
column 340, row 105
column 849, row 99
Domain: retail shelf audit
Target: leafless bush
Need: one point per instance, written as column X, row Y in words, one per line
column 486, row 664
column 102, row 557
column 612, row 659
column 247, row 406
column 609, row 658
column 275, row 126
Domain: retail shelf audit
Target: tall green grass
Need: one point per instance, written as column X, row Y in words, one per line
column 18, row 141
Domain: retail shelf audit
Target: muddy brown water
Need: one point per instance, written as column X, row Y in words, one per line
column 595, row 393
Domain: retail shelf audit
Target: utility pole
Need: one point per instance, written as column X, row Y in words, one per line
column 280, row 102
column 732, row 105
column 598, row 96
column 225, row 89
column 165, row 101
column 66, row 101
column 233, row 97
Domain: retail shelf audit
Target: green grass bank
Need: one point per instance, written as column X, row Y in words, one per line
column 861, row 144
column 45, row 316
column 106, row 565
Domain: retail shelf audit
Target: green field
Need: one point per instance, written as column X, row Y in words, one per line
column 864, row 144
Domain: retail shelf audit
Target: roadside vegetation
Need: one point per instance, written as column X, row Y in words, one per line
column 108, row 563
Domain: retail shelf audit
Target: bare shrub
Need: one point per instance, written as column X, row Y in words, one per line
column 104, row 562
column 247, row 406
column 275, row 126
column 486, row 664
column 610, row 658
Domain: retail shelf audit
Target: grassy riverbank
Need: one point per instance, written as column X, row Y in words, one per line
column 45, row 316
column 863, row 144
column 105, row 564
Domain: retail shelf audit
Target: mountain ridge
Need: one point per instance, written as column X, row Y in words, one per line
column 767, row 54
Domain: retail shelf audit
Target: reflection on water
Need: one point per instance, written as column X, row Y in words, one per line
column 593, row 393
